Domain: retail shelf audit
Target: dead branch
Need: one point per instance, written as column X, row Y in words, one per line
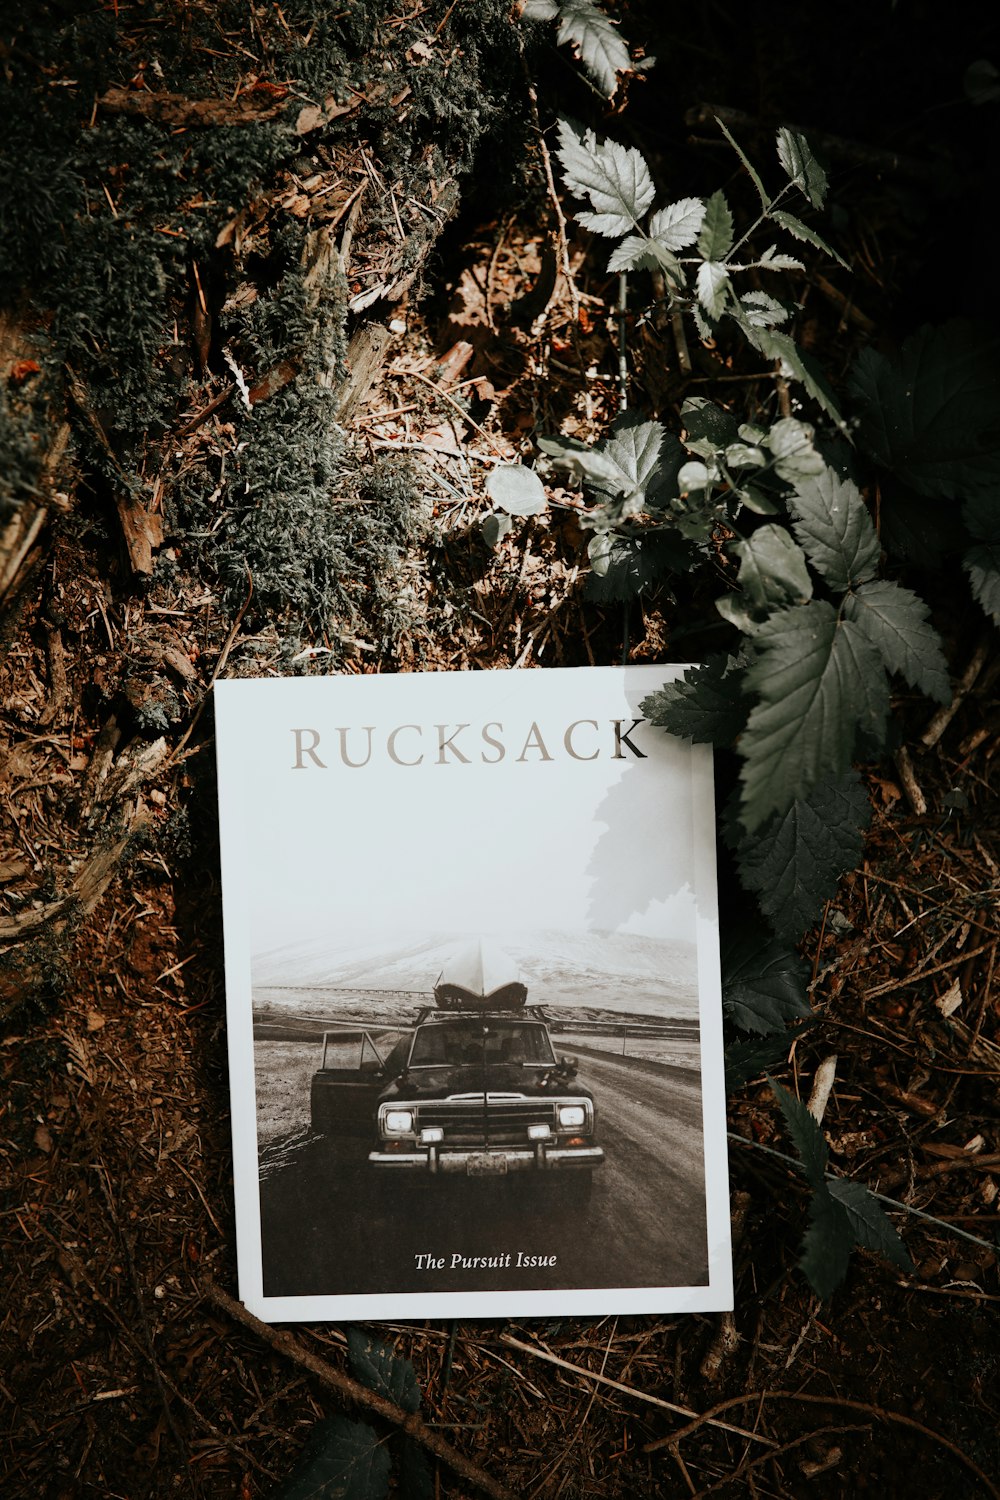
column 879, row 1413
column 410, row 1422
column 175, row 109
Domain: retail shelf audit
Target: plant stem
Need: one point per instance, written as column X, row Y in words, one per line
column 622, row 342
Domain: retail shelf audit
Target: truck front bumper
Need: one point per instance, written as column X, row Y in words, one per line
column 499, row 1162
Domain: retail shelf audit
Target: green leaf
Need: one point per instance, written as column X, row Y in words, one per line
column 517, row 490
column 341, row 1460
column 416, row 1479
column 932, row 414
column 820, row 683
column 713, row 288
column 981, row 514
column 716, row 238
column 382, row 1371
column 703, row 421
column 763, row 984
column 774, row 344
column 636, row 251
column 539, row 10
column 982, row 564
column 644, row 459
column 764, row 200
column 896, row 623
column 793, row 863
column 705, row 705
column 870, row 1227
column 586, row 463
column 773, row 569
column 762, row 311
column 800, row 231
column 807, row 1137
column 795, row 457
column 631, row 564
column 614, row 178
column 795, row 155
column 676, row 226
column 833, row 525
column 771, row 260
column 750, row 1057
column 494, row 529
column 826, row 1248
column 597, row 42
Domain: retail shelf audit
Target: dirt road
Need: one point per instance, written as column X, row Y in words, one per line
column 331, row 1225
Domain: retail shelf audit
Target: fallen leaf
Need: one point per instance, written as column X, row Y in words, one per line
column 949, row 1002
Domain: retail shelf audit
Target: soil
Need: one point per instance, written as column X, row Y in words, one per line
column 125, row 1371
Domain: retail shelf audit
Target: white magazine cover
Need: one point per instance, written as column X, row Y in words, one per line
column 472, row 972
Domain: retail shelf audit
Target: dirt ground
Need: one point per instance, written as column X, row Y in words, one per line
column 125, row 1368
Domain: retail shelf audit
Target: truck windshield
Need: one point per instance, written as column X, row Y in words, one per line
column 452, row 1043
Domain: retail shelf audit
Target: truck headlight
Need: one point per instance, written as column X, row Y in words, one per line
column 538, row 1132
column 572, row 1116
column 397, row 1121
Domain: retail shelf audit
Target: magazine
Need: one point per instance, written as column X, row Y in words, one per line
column 473, row 997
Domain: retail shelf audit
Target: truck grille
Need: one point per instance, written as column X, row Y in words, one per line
column 508, row 1120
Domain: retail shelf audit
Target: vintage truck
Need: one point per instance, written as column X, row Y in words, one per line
column 472, row 1089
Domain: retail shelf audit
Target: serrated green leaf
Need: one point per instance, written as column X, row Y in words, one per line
column 982, row 564
column 706, row 705
column 635, row 252
column 762, row 311
column 773, row 569
column 833, row 525
column 586, row 463
column 932, row 414
column 341, row 1460
column 677, row 225
column 826, row 1247
column 749, row 1058
column 615, row 179
column 416, row 1479
column 382, row 1371
column 755, row 179
column 703, row 420
column 599, row 45
column 716, row 238
column 644, row 459
column 793, row 863
column 870, row 1227
column 516, row 489
column 771, row 260
column 763, row 983
column 807, row 1137
column 795, row 155
column 896, row 622
column 820, row 683
column 800, row 231
column 981, row 514
column 774, row 344
column 713, row 288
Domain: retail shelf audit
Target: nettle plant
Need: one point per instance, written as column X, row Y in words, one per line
column 775, row 512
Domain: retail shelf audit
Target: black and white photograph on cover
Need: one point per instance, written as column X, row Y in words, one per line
column 473, row 989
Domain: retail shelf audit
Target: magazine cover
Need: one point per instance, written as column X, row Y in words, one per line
column 473, row 997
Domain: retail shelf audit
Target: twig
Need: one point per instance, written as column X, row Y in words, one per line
column 949, row 963
column 763, row 1458
column 626, row 1390
column 878, row 1412
column 836, row 147
column 622, row 341
column 939, row 723
column 416, row 375
column 219, row 665
column 550, row 183
column 410, row 1422
column 911, row 786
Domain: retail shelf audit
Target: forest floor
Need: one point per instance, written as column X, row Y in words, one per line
column 126, row 1371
